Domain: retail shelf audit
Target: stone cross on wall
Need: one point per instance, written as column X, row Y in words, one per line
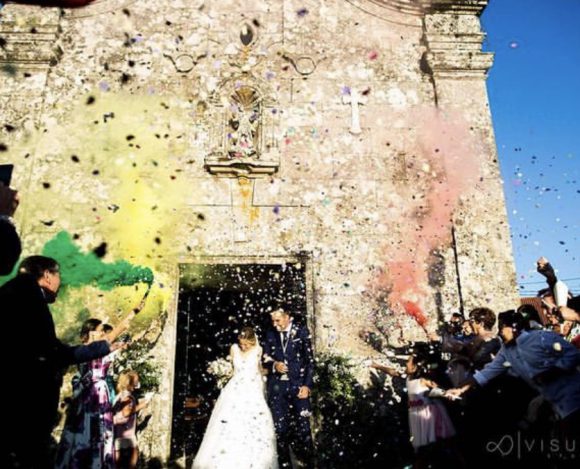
column 354, row 98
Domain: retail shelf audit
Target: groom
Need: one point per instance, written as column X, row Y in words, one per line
column 289, row 358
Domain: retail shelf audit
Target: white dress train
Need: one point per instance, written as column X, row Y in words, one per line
column 240, row 433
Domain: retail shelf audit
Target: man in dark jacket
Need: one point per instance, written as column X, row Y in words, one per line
column 35, row 360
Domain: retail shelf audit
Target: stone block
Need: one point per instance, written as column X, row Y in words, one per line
column 211, row 190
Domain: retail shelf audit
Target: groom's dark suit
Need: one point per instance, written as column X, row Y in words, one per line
column 291, row 414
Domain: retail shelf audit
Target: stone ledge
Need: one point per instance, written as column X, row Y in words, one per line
column 419, row 7
column 455, row 6
column 234, row 167
column 460, row 62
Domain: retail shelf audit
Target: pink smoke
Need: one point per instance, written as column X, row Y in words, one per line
column 445, row 164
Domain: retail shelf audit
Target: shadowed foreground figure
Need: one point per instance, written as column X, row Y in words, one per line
column 35, row 360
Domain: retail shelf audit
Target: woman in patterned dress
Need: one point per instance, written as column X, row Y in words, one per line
column 87, row 440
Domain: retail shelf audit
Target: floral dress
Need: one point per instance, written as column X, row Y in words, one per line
column 87, row 438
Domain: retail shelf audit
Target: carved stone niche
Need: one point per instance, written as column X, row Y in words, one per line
column 242, row 120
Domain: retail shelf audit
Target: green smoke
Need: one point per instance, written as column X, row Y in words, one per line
column 79, row 269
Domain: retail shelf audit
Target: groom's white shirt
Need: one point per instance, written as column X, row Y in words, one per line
column 285, row 330
column 282, row 342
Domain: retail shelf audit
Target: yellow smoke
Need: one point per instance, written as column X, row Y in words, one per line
column 116, row 170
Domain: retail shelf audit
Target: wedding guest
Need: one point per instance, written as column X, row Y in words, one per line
column 36, row 363
column 125, row 410
column 87, row 438
column 544, row 360
column 429, row 422
column 485, row 344
column 471, row 415
column 455, row 334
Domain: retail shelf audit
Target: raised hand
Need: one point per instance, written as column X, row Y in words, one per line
column 118, row 346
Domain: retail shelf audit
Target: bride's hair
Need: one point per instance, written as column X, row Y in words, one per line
column 248, row 334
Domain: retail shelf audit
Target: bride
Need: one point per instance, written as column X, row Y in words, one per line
column 240, row 433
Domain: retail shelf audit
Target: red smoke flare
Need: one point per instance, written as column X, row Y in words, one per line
column 444, row 163
column 415, row 312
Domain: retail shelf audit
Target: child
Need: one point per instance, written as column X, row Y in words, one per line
column 125, row 411
column 428, row 419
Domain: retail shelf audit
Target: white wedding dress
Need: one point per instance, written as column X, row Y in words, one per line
column 240, row 433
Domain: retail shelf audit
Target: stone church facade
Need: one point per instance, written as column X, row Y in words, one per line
column 271, row 131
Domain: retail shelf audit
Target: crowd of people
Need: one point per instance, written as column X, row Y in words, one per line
column 468, row 389
column 99, row 429
column 475, row 395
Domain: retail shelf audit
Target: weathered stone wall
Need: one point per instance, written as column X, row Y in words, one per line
column 118, row 111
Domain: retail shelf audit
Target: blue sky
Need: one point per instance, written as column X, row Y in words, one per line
column 534, row 92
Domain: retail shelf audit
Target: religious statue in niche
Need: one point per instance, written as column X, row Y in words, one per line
column 244, row 124
column 243, row 130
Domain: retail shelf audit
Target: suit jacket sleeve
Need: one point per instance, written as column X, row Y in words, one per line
column 10, row 247
column 69, row 355
column 268, row 359
column 308, row 358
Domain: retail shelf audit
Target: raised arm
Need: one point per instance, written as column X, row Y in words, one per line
column 386, row 369
column 123, row 325
column 67, row 355
column 494, row 368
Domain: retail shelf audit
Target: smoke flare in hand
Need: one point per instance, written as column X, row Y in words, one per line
column 444, row 165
